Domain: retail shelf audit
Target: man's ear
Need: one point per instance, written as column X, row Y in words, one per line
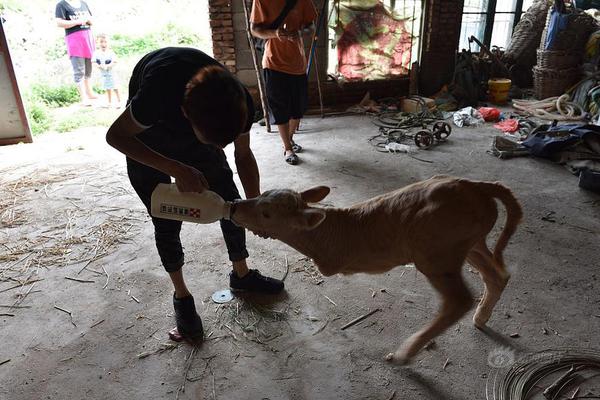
column 308, row 219
column 316, row 194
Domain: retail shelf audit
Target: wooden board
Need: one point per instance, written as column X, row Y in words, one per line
column 13, row 120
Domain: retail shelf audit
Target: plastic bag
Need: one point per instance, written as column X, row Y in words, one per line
column 467, row 116
column 489, row 114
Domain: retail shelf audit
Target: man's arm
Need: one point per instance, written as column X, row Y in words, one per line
column 246, row 166
column 260, row 31
column 122, row 136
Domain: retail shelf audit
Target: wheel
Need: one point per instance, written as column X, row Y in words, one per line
column 441, row 130
column 424, row 139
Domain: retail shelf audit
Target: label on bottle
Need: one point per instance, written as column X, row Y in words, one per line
column 178, row 210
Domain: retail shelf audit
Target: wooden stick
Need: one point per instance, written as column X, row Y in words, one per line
column 357, row 320
column 66, row 311
column 257, row 68
column 331, row 301
column 4, row 362
column 181, row 388
column 107, row 278
column 21, row 285
column 20, row 300
column 97, row 323
column 79, row 280
column 319, row 86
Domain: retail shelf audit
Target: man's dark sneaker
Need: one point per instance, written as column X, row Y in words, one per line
column 188, row 321
column 253, row 281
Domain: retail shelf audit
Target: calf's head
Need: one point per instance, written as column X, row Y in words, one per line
column 281, row 211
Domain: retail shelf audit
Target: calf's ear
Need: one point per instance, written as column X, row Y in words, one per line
column 308, row 219
column 316, row 194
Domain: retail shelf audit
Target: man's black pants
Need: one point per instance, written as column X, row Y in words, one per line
column 184, row 147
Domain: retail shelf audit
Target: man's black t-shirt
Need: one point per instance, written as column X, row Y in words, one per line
column 158, row 82
column 67, row 12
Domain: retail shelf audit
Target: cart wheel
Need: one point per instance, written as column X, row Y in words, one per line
column 424, row 139
column 441, row 130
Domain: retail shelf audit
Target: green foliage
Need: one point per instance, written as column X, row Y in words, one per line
column 10, row 5
column 85, row 118
column 55, row 96
column 124, row 45
column 56, row 50
column 170, row 35
column 38, row 115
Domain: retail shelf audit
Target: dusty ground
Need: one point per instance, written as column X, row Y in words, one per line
column 66, row 204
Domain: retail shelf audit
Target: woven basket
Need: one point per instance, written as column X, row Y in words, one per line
column 549, row 82
column 527, row 33
column 574, row 38
column 558, row 59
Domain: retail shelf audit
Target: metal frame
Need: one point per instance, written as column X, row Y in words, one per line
column 490, row 15
column 11, row 73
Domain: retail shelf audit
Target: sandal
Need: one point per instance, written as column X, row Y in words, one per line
column 291, row 159
column 296, row 147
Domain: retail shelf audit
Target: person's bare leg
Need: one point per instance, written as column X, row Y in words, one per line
column 109, row 94
column 82, row 94
column 284, row 133
column 88, row 89
column 240, row 268
column 118, row 96
column 294, row 124
column 181, row 289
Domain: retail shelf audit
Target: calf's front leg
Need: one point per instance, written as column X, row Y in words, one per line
column 456, row 301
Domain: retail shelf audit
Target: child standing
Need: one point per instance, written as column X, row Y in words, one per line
column 105, row 58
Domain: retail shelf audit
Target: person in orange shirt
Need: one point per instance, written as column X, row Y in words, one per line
column 284, row 64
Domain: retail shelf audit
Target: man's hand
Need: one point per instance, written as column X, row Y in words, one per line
column 284, row 34
column 189, row 179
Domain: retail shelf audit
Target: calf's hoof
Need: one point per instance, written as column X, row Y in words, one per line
column 479, row 321
column 396, row 359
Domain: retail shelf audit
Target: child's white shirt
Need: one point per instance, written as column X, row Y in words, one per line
column 101, row 56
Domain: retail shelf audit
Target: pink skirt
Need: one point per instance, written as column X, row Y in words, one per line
column 80, row 44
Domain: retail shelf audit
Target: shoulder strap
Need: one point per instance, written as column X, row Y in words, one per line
column 289, row 4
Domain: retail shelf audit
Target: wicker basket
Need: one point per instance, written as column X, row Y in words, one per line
column 549, row 82
column 579, row 27
column 527, row 33
column 558, row 59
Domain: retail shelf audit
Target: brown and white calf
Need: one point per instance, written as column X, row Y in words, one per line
column 436, row 224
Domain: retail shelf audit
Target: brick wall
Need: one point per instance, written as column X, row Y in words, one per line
column 440, row 39
column 220, row 16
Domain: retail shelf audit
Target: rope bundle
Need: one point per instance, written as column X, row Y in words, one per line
column 553, row 108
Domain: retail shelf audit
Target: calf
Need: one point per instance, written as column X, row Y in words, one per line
column 436, row 224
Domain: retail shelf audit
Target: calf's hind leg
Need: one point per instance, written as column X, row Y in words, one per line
column 495, row 278
column 456, row 300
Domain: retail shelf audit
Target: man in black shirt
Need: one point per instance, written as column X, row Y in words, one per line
column 183, row 109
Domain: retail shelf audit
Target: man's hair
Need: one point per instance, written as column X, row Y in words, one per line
column 215, row 103
column 101, row 36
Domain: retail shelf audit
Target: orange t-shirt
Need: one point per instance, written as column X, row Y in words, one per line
column 284, row 55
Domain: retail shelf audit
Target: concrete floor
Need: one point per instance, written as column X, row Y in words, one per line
column 79, row 201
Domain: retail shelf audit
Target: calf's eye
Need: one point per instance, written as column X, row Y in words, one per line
column 266, row 215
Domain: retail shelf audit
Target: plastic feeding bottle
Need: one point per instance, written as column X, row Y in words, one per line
column 203, row 208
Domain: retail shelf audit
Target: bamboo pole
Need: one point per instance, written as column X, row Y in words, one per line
column 257, row 68
column 319, row 85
